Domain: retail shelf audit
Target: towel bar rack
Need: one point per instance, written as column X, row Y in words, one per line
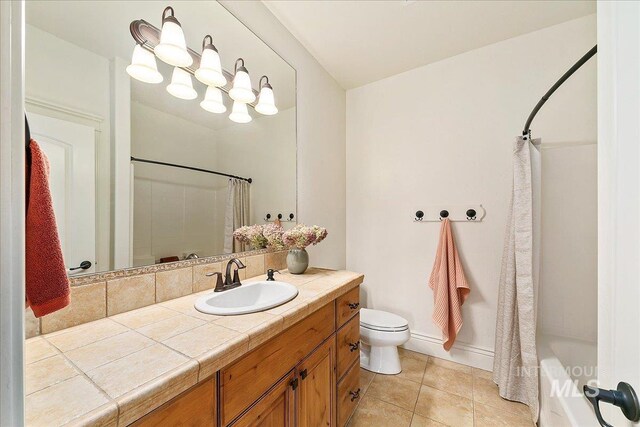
column 467, row 213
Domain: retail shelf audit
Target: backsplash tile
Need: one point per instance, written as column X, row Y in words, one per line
column 173, row 283
column 275, row 260
column 107, row 294
column 200, row 280
column 254, row 265
column 88, row 303
column 129, row 293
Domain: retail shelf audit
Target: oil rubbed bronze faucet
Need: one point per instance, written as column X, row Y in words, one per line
column 229, row 283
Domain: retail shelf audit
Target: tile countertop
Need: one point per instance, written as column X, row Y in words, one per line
column 115, row 370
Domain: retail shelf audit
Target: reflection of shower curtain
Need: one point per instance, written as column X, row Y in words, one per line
column 236, row 213
column 515, row 365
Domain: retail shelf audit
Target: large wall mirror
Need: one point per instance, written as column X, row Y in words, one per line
column 131, row 164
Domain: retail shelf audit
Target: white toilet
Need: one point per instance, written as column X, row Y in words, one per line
column 381, row 333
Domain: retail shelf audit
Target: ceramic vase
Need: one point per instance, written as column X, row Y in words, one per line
column 297, row 261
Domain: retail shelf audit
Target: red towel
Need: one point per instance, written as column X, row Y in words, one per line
column 47, row 284
column 450, row 287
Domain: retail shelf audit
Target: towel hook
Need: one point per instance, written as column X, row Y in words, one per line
column 268, row 217
column 471, row 214
column 444, row 214
column 419, row 216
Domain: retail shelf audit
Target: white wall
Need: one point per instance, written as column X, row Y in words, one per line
column 443, row 134
column 321, row 133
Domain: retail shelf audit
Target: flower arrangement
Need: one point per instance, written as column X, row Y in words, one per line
column 301, row 236
column 273, row 233
column 261, row 236
column 251, row 235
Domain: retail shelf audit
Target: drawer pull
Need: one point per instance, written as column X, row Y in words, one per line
column 355, row 394
column 303, row 374
column 353, row 346
column 353, row 305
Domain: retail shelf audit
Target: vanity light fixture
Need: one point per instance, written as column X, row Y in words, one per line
column 239, row 113
column 266, row 103
column 168, row 44
column 172, row 48
column 181, row 85
column 242, row 90
column 212, row 101
column 210, row 71
column 143, row 66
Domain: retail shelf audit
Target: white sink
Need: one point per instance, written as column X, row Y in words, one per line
column 249, row 298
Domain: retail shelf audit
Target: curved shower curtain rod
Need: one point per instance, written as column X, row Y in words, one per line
column 527, row 130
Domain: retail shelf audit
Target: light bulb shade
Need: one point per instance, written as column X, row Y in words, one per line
column 181, row 85
column 241, row 90
column 143, row 66
column 266, row 103
column 212, row 101
column 210, row 71
column 239, row 113
column 172, row 48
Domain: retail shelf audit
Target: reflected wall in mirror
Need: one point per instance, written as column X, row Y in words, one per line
column 91, row 118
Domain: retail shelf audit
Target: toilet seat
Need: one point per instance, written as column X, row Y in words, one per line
column 382, row 321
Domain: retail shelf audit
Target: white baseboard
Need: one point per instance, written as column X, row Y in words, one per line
column 467, row 354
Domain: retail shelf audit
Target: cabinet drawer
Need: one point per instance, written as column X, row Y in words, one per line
column 246, row 380
column 348, row 345
column 348, row 394
column 347, row 305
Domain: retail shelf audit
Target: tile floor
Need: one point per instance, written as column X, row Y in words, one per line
column 431, row 392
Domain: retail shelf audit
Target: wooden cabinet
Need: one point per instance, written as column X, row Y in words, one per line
column 348, row 394
column 244, row 381
column 306, row 376
column 317, row 387
column 194, row 408
column 348, row 345
column 276, row 408
column 347, row 306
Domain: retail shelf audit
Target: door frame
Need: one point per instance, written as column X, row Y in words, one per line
column 12, row 209
column 618, row 198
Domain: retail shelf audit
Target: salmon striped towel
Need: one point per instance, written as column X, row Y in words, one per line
column 450, row 287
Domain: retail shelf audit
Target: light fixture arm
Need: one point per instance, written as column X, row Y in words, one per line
column 266, row 83
column 170, row 17
column 204, row 42
column 242, row 67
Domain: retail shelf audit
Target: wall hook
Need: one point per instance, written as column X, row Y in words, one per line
column 419, row 216
column 444, row 214
column 268, row 217
column 471, row 214
column 279, row 216
column 291, row 216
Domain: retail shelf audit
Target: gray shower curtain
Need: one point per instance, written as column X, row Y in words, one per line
column 237, row 213
column 515, row 365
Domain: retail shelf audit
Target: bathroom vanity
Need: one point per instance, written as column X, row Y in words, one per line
column 297, row 364
column 308, row 376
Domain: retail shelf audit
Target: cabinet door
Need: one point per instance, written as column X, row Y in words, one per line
column 274, row 409
column 317, row 387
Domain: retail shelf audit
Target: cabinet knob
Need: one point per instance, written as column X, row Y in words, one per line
column 353, row 346
column 355, row 394
column 353, row 305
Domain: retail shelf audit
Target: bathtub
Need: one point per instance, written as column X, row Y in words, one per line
column 566, row 364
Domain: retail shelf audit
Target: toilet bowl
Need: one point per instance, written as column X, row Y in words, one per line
column 381, row 333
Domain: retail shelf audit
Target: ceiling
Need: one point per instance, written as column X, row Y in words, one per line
column 359, row 42
column 103, row 28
